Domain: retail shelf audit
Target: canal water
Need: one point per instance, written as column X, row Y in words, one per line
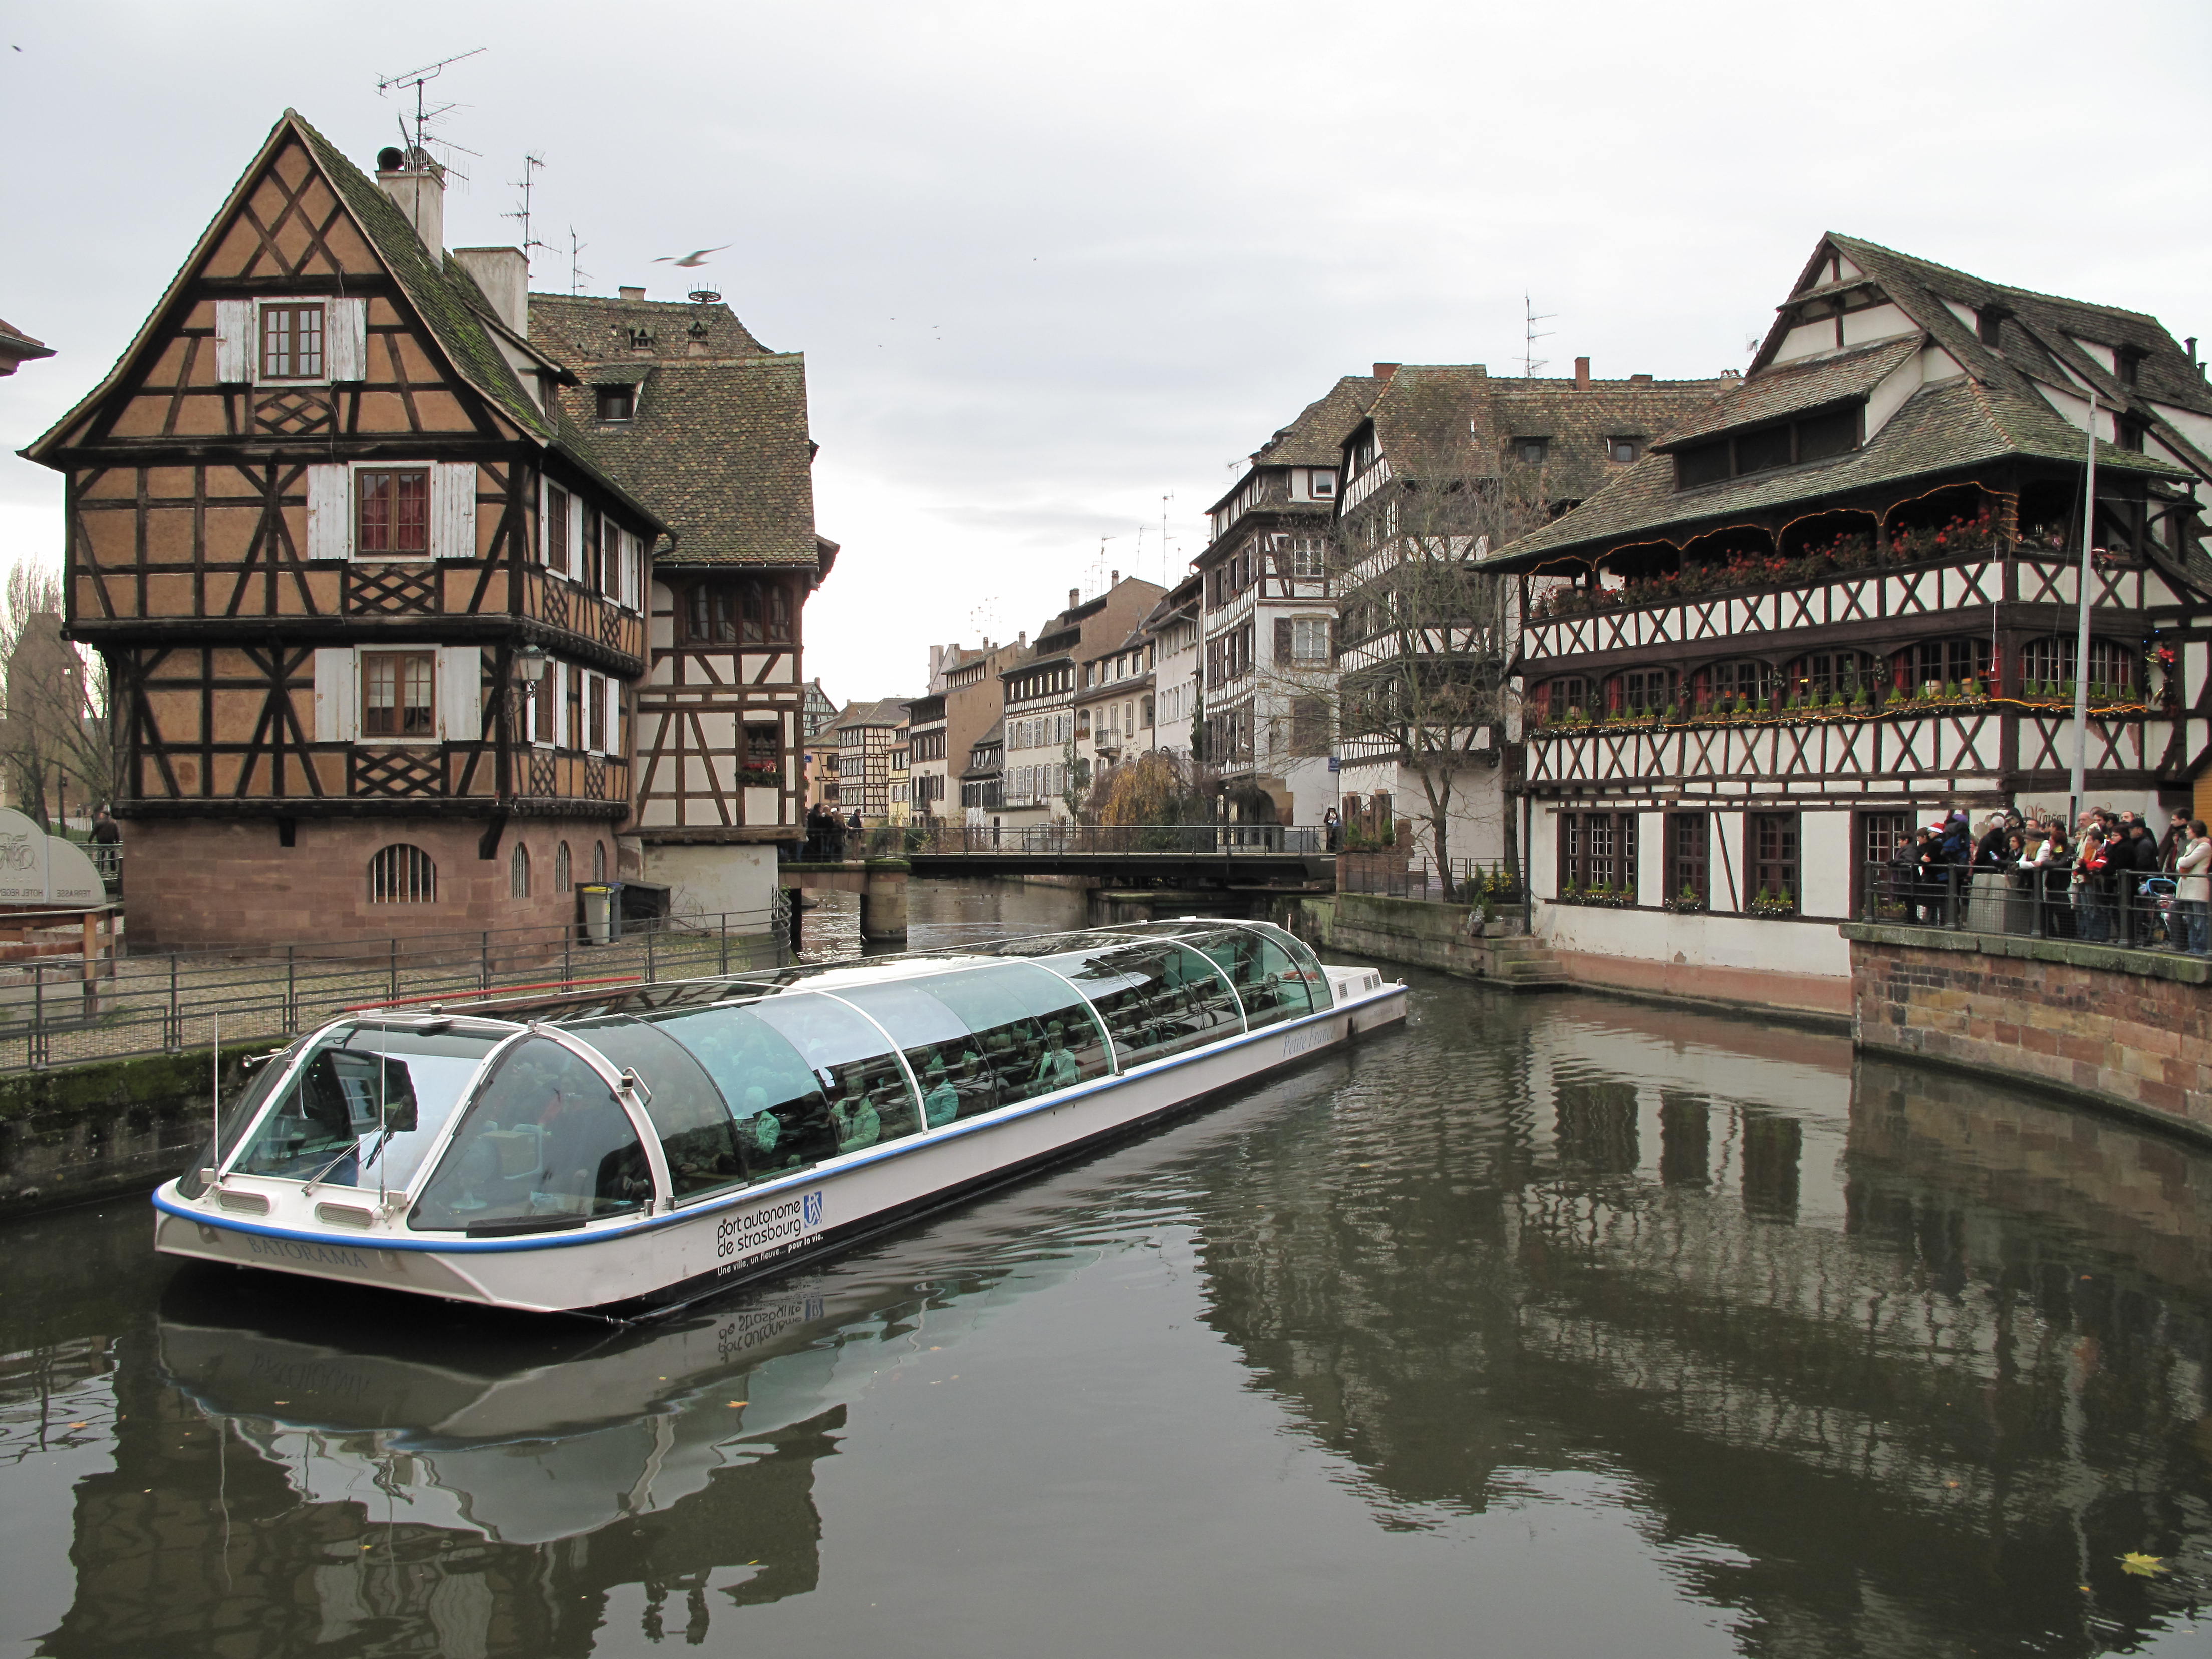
column 1545, row 1326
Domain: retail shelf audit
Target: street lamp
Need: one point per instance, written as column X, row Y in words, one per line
column 531, row 663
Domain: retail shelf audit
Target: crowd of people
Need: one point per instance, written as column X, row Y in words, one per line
column 2114, row 879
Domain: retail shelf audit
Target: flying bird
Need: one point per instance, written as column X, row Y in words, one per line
column 696, row 257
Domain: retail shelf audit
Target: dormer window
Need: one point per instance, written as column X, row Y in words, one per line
column 1625, row 450
column 1988, row 322
column 618, row 403
column 1762, row 449
column 2127, row 364
column 292, row 342
column 1532, row 452
column 1324, row 484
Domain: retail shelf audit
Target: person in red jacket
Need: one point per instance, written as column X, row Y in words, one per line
column 2091, row 901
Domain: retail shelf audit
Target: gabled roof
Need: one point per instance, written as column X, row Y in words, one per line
column 718, row 442
column 460, row 320
column 16, row 347
column 882, row 712
column 1793, row 388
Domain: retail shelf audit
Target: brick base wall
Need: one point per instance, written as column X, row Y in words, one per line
column 2124, row 1029
column 188, row 883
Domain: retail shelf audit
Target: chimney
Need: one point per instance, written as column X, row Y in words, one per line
column 1074, row 598
column 416, row 185
column 631, row 292
column 1639, row 380
column 1384, row 371
column 504, row 275
column 1112, row 578
column 1582, row 375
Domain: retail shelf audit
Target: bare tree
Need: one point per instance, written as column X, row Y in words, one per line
column 58, row 738
column 1426, row 631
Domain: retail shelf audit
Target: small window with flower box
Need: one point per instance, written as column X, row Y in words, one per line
column 1688, row 840
column 1772, row 840
column 1597, row 858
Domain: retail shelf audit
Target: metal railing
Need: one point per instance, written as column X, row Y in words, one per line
column 1463, row 881
column 2127, row 909
column 1210, row 840
column 53, row 1012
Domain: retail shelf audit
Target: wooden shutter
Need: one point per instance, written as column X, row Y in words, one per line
column 453, row 510
column 345, row 339
column 233, row 341
column 460, row 693
column 329, row 512
column 337, row 682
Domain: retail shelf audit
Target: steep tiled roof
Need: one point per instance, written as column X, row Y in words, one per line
column 883, row 712
column 1794, row 388
column 1456, row 420
column 718, row 442
column 1315, row 438
column 1950, row 425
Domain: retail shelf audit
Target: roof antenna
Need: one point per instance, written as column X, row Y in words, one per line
column 423, row 116
column 576, row 272
column 531, row 164
column 1530, row 362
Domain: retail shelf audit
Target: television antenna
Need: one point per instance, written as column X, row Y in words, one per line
column 418, row 78
column 1165, row 579
column 576, row 272
column 531, row 164
column 1530, row 362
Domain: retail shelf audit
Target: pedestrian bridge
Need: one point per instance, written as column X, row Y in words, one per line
column 1117, row 855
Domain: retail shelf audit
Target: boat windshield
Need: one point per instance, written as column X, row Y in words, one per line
column 544, row 1143
column 1275, row 972
column 364, row 1106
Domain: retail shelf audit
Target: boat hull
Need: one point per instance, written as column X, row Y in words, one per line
column 633, row 1268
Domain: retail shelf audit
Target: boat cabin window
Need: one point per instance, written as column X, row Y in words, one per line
column 1272, row 985
column 776, row 1104
column 1030, row 1030
column 364, row 1108
column 1157, row 998
column 706, row 1148
column 870, row 1099
column 544, row 1140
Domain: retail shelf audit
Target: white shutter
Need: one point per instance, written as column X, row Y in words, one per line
column 329, row 512
column 559, row 674
column 613, row 744
column 345, row 339
column 233, row 341
column 544, row 548
column 575, row 536
column 337, row 682
column 632, row 562
column 460, row 693
column 453, row 510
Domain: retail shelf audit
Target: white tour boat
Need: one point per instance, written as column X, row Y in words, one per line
column 639, row 1151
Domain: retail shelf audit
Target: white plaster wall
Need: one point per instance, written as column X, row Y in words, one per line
column 1724, row 871
column 1806, row 339
column 2197, row 428
column 1937, row 364
column 1651, row 857
column 1879, row 322
column 2076, row 410
column 1706, row 939
column 704, row 880
column 1964, row 313
column 1899, row 385
column 1823, row 863
column 1544, row 855
column 2097, row 352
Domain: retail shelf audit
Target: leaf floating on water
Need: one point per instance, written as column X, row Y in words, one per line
column 2142, row 1565
column 740, row 1402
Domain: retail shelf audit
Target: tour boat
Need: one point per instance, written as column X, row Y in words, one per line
column 627, row 1153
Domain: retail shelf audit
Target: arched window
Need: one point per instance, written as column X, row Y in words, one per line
column 561, row 876
column 599, row 861
column 517, row 872
column 1568, row 695
column 1724, row 683
column 1641, row 691
column 401, row 874
column 1836, row 674
column 2050, row 663
column 1945, row 662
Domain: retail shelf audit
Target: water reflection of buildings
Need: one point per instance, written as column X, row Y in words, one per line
column 460, row 1491
column 1921, row 1368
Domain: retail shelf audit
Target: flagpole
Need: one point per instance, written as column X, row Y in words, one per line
column 2082, row 635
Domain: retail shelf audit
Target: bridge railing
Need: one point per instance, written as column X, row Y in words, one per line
column 1185, row 840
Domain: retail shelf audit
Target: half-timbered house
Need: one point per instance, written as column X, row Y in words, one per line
column 1446, row 465
column 1270, row 608
column 370, row 609
column 1841, row 598
column 706, row 426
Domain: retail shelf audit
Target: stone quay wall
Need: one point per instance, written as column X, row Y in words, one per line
column 2128, row 1030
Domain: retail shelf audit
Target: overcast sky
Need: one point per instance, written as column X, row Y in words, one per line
column 1051, row 263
